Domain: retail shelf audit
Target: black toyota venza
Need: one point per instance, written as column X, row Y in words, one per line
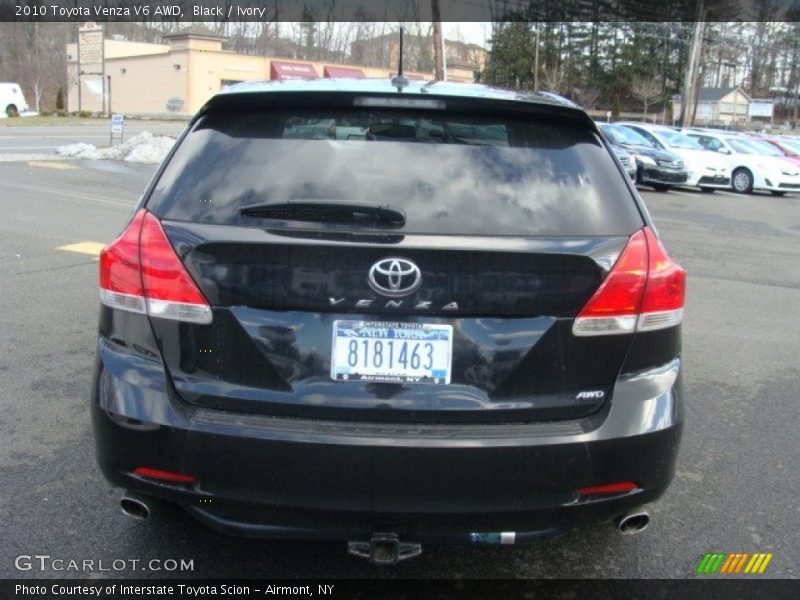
column 390, row 315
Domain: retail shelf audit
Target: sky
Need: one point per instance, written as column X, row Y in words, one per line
column 470, row 32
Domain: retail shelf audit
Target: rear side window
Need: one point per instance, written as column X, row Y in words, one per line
column 449, row 173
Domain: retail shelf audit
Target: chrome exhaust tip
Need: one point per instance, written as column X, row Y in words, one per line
column 632, row 523
column 135, row 506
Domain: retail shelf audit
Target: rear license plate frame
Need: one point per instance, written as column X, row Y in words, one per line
column 438, row 334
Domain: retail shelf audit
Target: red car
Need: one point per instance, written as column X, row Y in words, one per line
column 791, row 150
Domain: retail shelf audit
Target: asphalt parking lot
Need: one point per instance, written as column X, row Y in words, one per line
column 737, row 477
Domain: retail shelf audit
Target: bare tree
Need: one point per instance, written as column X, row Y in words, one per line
column 646, row 89
column 587, row 97
column 34, row 56
column 554, row 78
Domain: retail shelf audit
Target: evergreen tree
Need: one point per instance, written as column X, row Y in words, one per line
column 510, row 63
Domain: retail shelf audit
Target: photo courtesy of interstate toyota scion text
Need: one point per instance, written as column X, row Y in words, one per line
column 390, row 313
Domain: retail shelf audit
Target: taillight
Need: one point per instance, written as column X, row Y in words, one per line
column 620, row 487
column 140, row 272
column 643, row 292
column 159, row 474
column 120, row 275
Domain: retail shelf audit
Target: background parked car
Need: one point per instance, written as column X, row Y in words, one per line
column 790, row 151
column 12, row 100
column 707, row 170
column 755, row 166
column 654, row 167
column 626, row 159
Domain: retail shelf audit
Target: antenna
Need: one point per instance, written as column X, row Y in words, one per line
column 400, row 81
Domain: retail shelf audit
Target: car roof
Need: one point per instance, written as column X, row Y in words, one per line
column 712, row 131
column 702, row 131
column 648, row 126
column 384, row 86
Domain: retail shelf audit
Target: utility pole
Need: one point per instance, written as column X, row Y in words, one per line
column 691, row 66
column 696, row 81
column 438, row 68
column 536, row 62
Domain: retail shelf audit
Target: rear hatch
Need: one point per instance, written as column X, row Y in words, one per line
column 375, row 260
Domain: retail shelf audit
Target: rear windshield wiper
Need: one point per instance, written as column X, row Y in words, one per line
column 328, row 212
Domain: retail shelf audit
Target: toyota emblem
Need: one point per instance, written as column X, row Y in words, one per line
column 395, row 277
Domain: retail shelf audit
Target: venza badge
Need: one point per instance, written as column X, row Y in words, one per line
column 395, row 277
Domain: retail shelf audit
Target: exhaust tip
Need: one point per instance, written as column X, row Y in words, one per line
column 633, row 523
column 135, row 506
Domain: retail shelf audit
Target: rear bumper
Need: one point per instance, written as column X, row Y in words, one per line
column 270, row 477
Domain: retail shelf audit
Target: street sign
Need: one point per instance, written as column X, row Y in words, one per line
column 90, row 49
column 117, row 127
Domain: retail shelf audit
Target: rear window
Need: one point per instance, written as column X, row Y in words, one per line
column 765, row 148
column 449, row 174
column 679, row 140
column 623, row 135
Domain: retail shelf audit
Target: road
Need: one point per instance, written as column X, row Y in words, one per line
column 737, row 477
column 25, row 139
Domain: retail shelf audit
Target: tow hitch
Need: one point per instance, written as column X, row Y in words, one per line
column 384, row 549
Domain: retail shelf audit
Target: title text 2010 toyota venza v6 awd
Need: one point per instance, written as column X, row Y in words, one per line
column 343, row 311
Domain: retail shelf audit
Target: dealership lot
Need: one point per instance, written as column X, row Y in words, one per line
column 736, row 481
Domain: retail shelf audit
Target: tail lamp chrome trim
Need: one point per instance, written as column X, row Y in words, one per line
column 617, row 325
column 162, row 309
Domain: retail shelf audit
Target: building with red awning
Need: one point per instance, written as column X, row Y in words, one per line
column 279, row 69
column 337, row 71
column 192, row 64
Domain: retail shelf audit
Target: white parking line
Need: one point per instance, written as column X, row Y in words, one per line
column 9, row 149
column 26, row 157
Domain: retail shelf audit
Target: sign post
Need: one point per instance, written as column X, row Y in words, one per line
column 117, row 127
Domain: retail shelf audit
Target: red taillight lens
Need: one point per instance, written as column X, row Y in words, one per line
column 621, row 292
column 119, row 261
column 120, row 275
column 644, row 291
column 151, row 473
column 171, row 293
column 620, row 487
column 666, row 281
column 140, row 272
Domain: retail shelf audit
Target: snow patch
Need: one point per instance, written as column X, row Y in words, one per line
column 142, row 148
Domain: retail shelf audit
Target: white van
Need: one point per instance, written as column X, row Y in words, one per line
column 12, row 101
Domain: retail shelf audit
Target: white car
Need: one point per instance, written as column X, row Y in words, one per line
column 707, row 170
column 756, row 165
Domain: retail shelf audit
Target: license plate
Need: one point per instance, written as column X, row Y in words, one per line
column 391, row 352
